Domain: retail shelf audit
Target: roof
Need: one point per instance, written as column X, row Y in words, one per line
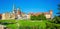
column 0, row 14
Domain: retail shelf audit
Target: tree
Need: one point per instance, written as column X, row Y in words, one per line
column 39, row 17
column 58, row 10
column 33, row 17
column 56, row 19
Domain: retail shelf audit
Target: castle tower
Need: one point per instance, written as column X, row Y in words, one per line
column 18, row 13
column 51, row 12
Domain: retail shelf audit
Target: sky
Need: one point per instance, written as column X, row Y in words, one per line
column 28, row 6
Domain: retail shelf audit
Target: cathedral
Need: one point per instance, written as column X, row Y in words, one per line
column 15, row 14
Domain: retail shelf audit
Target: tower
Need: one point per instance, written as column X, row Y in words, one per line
column 19, row 13
column 50, row 12
column 14, row 11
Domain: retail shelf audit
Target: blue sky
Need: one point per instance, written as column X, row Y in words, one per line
column 28, row 6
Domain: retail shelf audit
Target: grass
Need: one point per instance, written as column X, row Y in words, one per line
column 31, row 23
column 41, row 23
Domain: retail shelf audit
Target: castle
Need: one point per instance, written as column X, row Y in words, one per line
column 17, row 14
column 48, row 15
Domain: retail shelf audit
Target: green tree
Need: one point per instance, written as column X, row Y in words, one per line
column 56, row 19
column 33, row 18
column 58, row 10
column 39, row 17
column 42, row 17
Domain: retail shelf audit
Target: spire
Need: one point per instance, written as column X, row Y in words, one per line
column 13, row 6
column 14, row 9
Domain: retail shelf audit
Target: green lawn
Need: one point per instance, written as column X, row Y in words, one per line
column 30, row 23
